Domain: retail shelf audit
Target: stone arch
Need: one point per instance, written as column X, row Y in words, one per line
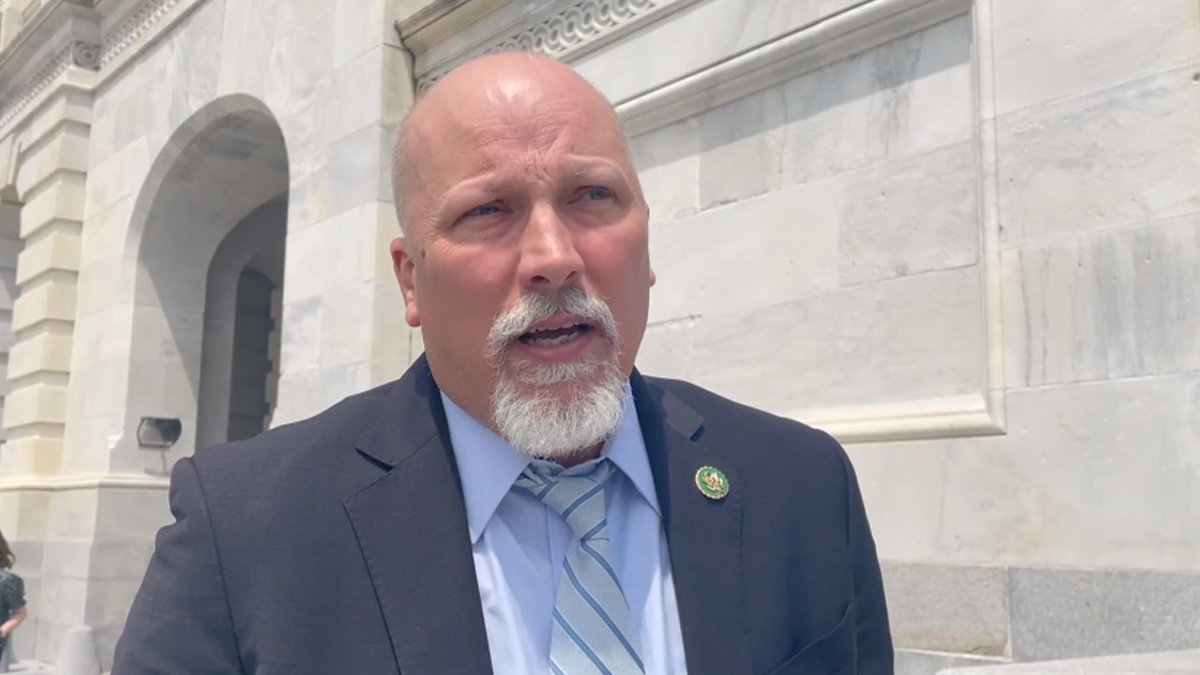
column 225, row 171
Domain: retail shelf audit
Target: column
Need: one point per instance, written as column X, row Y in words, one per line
column 51, row 184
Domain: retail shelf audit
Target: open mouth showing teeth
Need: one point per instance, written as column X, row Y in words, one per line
column 552, row 337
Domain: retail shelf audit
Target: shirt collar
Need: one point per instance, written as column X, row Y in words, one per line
column 488, row 466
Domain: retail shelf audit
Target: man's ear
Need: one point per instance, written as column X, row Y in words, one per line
column 404, row 265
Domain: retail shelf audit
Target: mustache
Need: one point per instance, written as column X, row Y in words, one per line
column 534, row 308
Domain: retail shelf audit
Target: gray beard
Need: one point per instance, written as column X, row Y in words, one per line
column 548, row 425
column 557, row 411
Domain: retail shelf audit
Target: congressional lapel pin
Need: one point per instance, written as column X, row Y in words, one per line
column 712, row 483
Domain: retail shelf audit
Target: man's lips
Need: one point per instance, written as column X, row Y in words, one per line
column 556, row 331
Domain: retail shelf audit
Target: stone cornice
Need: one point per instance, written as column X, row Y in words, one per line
column 67, row 33
column 133, row 28
column 563, row 30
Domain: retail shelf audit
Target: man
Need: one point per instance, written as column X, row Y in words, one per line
column 522, row 500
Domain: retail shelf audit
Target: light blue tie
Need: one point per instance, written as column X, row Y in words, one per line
column 592, row 630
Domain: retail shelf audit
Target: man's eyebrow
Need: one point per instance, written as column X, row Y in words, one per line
column 597, row 167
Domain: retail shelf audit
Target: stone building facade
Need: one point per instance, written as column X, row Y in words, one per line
column 961, row 235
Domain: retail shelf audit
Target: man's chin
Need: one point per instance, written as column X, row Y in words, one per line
column 563, row 379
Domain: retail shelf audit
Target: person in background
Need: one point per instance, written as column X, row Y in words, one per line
column 12, row 596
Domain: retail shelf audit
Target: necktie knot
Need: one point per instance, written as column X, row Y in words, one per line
column 577, row 497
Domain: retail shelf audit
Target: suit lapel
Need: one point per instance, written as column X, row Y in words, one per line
column 411, row 525
column 704, row 535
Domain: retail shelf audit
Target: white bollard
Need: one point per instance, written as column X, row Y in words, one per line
column 77, row 653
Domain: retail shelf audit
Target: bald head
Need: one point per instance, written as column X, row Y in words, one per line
column 490, row 91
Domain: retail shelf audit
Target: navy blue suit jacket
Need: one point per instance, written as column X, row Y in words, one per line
column 339, row 545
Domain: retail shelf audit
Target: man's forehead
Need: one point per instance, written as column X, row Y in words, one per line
column 486, row 137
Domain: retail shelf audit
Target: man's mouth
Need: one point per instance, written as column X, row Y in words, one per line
column 553, row 336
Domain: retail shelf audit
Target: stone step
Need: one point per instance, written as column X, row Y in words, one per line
column 1183, row 662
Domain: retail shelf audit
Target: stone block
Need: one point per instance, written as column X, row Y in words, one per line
column 910, row 216
column 54, row 301
column 299, row 394
column 904, row 340
column 1059, row 614
column 249, row 39
column 35, row 404
column 1056, row 489
column 165, row 388
column 64, row 151
column 292, row 15
column 666, row 350
column 360, row 169
column 62, row 199
column 69, row 106
column 1125, row 155
column 77, row 654
column 57, row 251
column 357, row 96
column 191, row 64
column 342, row 338
column 913, row 95
column 308, row 197
column 339, row 382
column 397, row 97
column 133, row 115
column 730, row 27
column 102, row 138
column 668, row 165
column 1048, row 51
column 126, row 521
column 107, row 610
column 72, row 516
column 47, row 352
column 764, row 251
column 947, row 608
column 301, row 337
column 355, row 31
column 917, row 662
column 32, row 455
column 121, row 176
column 105, row 283
column 340, row 247
column 1182, row 662
column 67, row 559
column 1113, row 305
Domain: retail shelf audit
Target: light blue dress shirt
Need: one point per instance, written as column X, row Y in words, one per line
column 519, row 545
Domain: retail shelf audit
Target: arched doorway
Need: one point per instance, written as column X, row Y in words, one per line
column 209, row 276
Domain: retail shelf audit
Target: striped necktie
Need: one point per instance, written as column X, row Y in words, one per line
column 592, row 630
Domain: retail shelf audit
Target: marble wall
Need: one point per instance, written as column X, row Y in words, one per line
column 991, row 208
column 1000, row 203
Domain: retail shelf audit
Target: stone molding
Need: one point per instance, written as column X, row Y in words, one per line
column 134, row 28
column 75, row 53
column 562, row 30
column 138, row 28
column 72, row 483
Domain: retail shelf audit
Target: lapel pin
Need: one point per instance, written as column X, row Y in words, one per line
column 712, row 483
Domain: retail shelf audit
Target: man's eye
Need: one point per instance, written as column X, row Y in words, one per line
column 485, row 210
column 597, row 193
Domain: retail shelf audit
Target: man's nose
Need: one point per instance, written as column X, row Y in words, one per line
column 549, row 258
